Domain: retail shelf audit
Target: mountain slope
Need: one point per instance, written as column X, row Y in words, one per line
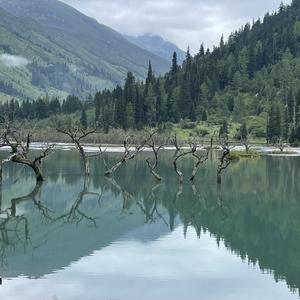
column 158, row 46
column 252, row 78
column 67, row 51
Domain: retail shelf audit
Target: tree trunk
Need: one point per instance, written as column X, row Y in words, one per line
column 86, row 166
column 152, row 170
column 157, row 177
column 85, row 159
column 34, row 165
column 112, row 170
column 194, row 173
column 0, row 196
column 219, row 178
column 1, row 166
column 179, row 173
column 38, row 172
column 1, row 177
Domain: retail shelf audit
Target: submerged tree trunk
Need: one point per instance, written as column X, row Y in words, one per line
column 34, row 165
column 153, row 166
column 77, row 134
column 219, row 178
column 181, row 155
column 114, row 168
column 1, row 178
column 200, row 160
column 85, row 159
column 152, row 171
column 1, row 167
column 0, row 196
column 38, row 172
column 224, row 163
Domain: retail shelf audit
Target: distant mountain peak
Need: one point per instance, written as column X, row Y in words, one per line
column 157, row 45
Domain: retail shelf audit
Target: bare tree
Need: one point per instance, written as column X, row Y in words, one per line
column 154, row 165
column 224, row 160
column 201, row 159
column 180, row 154
column 176, row 144
column 19, row 140
column 77, row 134
column 130, row 152
column 279, row 144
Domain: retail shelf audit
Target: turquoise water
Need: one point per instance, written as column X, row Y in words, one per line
column 130, row 238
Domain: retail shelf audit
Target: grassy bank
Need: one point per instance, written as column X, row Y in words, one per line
column 237, row 155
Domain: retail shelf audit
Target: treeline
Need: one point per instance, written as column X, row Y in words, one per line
column 42, row 108
column 246, row 79
column 253, row 79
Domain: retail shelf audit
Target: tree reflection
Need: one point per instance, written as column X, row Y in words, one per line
column 255, row 212
column 75, row 214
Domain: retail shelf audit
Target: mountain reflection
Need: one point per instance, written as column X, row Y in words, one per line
column 255, row 212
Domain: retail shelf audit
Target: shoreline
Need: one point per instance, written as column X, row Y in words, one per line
column 118, row 148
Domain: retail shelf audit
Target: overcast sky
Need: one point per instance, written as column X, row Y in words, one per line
column 184, row 22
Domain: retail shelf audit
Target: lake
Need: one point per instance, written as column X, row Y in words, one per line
column 129, row 238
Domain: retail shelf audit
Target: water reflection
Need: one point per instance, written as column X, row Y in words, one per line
column 63, row 222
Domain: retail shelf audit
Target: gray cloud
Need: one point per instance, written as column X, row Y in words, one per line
column 185, row 22
column 13, row 60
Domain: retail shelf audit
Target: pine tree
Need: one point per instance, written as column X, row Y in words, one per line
column 150, row 76
column 223, row 133
column 150, row 106
column 204, row 116
column 274, row 124
column 174, row 68
column 172, row 106
column 243, row 132
column 83, row 119
column 139, row 108
column 130, row 115
column 161, row 104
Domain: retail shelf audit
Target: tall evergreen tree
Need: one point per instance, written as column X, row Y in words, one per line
column 83, row 119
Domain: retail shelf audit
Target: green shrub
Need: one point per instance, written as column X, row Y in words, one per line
column 237, row 155
column 202, row 132
column 187, row 124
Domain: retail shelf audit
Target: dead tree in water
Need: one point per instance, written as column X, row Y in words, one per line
column 201, row 159
column 224, row 160
column 130, row 153
column 180, row 155
column 77, row 134
column 279, row 144
column 176, row 144
column 153, row 166
column 19, row 142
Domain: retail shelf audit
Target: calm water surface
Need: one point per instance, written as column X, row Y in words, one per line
column 129, row 238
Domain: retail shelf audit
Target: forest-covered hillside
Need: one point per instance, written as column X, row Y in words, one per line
column 65, row 52
column 252, row 78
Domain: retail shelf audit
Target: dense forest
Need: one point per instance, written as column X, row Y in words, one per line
column 253, row 78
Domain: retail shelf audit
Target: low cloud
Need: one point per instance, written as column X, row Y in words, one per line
column 13, row 61
column 185, row 22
